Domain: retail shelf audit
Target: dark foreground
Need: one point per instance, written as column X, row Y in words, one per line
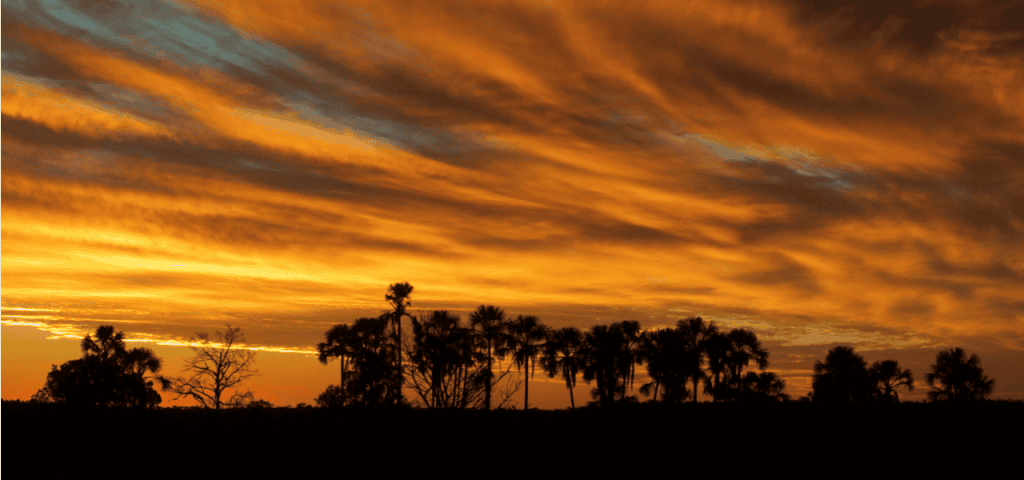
column 794, row 439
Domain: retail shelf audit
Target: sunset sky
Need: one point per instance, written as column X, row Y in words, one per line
column 820, row 174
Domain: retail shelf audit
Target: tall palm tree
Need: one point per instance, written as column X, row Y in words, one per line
column 745, row 348
column 957, row 378
column 653, row 351
column 717, row 347
column 492, row 329
column 600, row 352
column 563, row 356
column 696, row 333
column 629, row 333
column 398, row 296
column 888, row 376
column 338, row 344
column 527, row 336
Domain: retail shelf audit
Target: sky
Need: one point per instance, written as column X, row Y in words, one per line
column 822, row 174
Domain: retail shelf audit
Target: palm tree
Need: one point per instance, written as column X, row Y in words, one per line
column 398, row 296
column 842, row 378
column 717, row 347
column 654, row 351
column 527, row 335
column 629, row 334
column 956, row 378
column 338, row 343
column 696, row 334
column 138, row 362
column 888, row 376
column 563, row 356
column 108, row 343
column 670, row 363
column 492, row 329
column 745, row 348
column 600, row 353
column 761, row 387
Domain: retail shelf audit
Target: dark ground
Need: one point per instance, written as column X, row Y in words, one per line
column 792, row 439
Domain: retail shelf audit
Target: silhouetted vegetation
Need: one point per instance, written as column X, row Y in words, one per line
column 563, row 355
column 449, row 369
column 845, row 378
column 954, row 377
column 527, row 337
column 842, row 378
column 215, row 368
column 456, row 366
column 398, row 297
column 107, row 375
column 366, row 355
column 491, row 331
column 888, row 377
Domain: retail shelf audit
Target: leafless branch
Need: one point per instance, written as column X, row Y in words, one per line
column 215, row 368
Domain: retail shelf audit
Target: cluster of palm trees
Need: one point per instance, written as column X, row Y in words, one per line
column 694, row 353
column 456, row 365
column 845, row 377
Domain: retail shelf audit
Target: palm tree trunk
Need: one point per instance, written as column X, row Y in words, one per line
column 343, row 391
column 572, row 401
column 401, row 374
column 526, row 394
column 487, row 390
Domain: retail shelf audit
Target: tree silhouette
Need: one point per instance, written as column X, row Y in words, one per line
column 563, row 356
column 745, row 348
column 398, row 297
column 695, row 336
column 761, row 387
column 368, row 369
column 526, row 338
column 957, row 378
column 610, row 353
column 629, row 334
column 717, row 347
column 492, row 331
column 670, row 362
column 215, row 368
column 108, row 374
column 842, row 378
column 888, row 377
column 338, row 344
column 444, row 356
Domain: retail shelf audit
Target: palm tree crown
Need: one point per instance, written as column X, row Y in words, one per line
column 842, row 378
column 957, row 378
column 888, row 376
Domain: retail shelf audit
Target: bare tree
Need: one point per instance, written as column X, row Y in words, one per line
column 215, row 368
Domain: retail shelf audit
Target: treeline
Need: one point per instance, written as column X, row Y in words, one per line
column 452, row 364
column 449, row 364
